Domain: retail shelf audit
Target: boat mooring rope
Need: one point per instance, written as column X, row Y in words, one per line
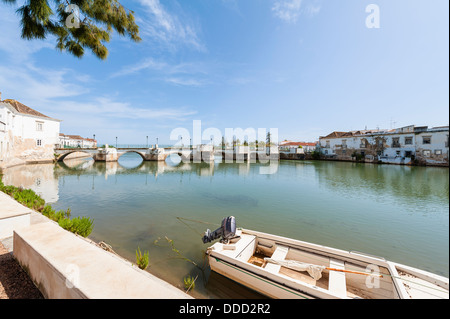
column 181, row 219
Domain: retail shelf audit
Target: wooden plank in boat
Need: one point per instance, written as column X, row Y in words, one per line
column 337, row 284
column 279, row 254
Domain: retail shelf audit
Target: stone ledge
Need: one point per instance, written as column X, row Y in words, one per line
column 66, row 266
column 12, row 215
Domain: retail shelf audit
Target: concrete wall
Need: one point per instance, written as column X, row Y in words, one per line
column 65, row 266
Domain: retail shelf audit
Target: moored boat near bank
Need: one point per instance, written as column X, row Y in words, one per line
column 285, row 268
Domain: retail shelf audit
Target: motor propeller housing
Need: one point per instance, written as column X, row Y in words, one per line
column 226, row 231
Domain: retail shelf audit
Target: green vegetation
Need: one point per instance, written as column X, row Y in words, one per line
column 358, row 156
column 49, row 212
column 316, row 155
column 189, row 283
column 81, row 225
column 77, row 26
column 142, row 260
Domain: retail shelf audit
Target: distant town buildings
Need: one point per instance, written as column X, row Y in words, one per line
column 76, row 141
column 26, row 135
column 296, row 147
column 407, row 145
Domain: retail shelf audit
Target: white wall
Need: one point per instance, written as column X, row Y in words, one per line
column 23, row 140
column 437, row 150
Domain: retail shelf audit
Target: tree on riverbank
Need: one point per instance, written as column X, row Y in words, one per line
column 78, row 25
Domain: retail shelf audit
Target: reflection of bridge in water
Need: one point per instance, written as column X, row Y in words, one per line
column 81, row 167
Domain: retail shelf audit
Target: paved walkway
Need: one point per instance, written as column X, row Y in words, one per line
column 10, row 210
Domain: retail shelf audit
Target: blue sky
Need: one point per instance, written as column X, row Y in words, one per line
column 305, row 67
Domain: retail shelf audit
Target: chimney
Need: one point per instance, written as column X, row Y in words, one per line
column 0, row 96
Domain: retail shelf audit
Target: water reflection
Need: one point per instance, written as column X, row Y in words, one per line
column 404, row 182
column 40, row 178
column 131, row 166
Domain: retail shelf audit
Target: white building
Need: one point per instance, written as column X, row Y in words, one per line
column 76, row 141
column 297, row 147
column 432, row 144
column 406, row 145
column 26, row 136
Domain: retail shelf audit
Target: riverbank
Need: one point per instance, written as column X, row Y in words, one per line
column 37, row 250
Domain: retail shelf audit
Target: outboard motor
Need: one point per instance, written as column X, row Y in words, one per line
column 227, row 231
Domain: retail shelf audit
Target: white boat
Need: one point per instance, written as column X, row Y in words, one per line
column 269, row 264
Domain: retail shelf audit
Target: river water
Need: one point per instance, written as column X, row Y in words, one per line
column 397, row 212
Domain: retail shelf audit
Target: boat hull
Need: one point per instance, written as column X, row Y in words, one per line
column 256, row 282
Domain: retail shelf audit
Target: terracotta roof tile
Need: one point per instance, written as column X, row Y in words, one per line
column 22, row 108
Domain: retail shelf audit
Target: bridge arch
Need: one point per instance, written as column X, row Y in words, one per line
column 131, row 151
column 61, row 157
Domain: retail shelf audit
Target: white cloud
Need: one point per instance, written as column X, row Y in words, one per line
column 185, row 81
column 40, row 85
column 290, row 10
column 105, row 107
column 168, row 29
column 287, row 10
column 148, row 63
column 184, row 74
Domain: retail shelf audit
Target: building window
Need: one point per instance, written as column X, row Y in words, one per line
column 39, row 126
column 438, row 152
column 426, row 140
column 408, row 153
column 408, row 140
column 427, row 153
column 344, row 143
column 39, row 142
column 327, row 145
column 395, row 142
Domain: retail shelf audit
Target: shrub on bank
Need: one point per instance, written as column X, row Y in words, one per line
column 81, row 225
column 142, row 259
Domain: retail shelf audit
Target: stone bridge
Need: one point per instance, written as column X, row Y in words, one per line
column 113, row 154
column 197, row 154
